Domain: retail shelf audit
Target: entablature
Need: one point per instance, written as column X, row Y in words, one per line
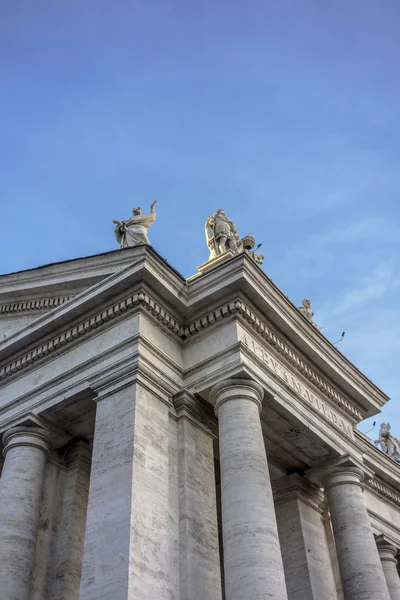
column 186, row 310
column 240, row 276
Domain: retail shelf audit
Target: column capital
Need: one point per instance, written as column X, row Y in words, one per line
column 387, row 548
column 345, row 469
column 232, row 389
column 21, row 435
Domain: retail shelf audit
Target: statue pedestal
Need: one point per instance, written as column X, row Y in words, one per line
column 212, row 264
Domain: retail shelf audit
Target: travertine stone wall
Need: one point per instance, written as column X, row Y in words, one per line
column 26, row 450
column 53, row 489
column 360, row 566
column 387, row 553
column 199, row 566
column 67, row 551
column 127, row 546
column 173, row 508
column 305, row 553
column 252, row 556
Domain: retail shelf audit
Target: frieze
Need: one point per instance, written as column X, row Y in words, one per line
column 278, row 369
column 239, row 308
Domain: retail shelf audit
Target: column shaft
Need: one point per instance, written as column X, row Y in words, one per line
column 305, row 552
column 68, row 550
column 199, row 561
column 252, row 557
column 360, row 567
column 387, row 553
column 20, row 496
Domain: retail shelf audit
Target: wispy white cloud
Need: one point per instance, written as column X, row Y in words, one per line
column 316, row 254
column 384, row 279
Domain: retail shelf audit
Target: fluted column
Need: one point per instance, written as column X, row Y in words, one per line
column 387, row 552
column 252, row 557
column 359, row 563
column 25, row 451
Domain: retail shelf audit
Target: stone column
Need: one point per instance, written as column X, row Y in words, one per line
column 25, row 450
column 305, row 551
column 387, row 552
column 199, row 560
column 68, row 550
column 359, row 563
column 252, row 555
column 127, row 540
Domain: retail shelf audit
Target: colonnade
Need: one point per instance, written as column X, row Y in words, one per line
column 253, row 566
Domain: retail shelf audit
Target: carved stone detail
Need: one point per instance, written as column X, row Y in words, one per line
column 388, row 443
column 383, row 490
column 143, row 299
column 33, row 305
column 307, row 312
column 90, row 324
column 133, row 231
column 222, row 237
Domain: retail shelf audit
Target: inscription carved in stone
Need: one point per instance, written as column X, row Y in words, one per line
column 297, row 386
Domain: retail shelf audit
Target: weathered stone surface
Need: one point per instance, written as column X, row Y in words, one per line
column 26, row 450
column 387, row 553
column 133, row 334
column 360, row 566
column 53, row 488
column 252, row 556
column 305, row 553
column 126, row 551
column 68, row 548
column 200, row 577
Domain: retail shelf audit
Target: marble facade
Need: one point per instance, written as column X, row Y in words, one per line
column 172, row 439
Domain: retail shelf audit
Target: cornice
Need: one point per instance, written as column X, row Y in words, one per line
column 150, row 305
column 383, row 490
column 241, row 274
column 239, row 308
column 93, row 323
column 33, row 305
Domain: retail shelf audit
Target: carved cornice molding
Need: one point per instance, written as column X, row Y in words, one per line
column 234, row 308
column 88, row 325
column 383, row 490
column 238, row 307
column 287, row 353
column 33, row 305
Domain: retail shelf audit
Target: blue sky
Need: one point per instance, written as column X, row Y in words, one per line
column 284, row 113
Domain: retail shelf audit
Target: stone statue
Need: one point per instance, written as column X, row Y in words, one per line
column 134, row 231
column 222, row 236
column 389, row 444
column 307, row 312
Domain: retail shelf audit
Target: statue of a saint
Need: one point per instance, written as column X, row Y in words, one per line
column 222, row 235
column 388, row 443
column 307, row 312
column 134, row 231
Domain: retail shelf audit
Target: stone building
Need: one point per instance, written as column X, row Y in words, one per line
column 137, row 412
